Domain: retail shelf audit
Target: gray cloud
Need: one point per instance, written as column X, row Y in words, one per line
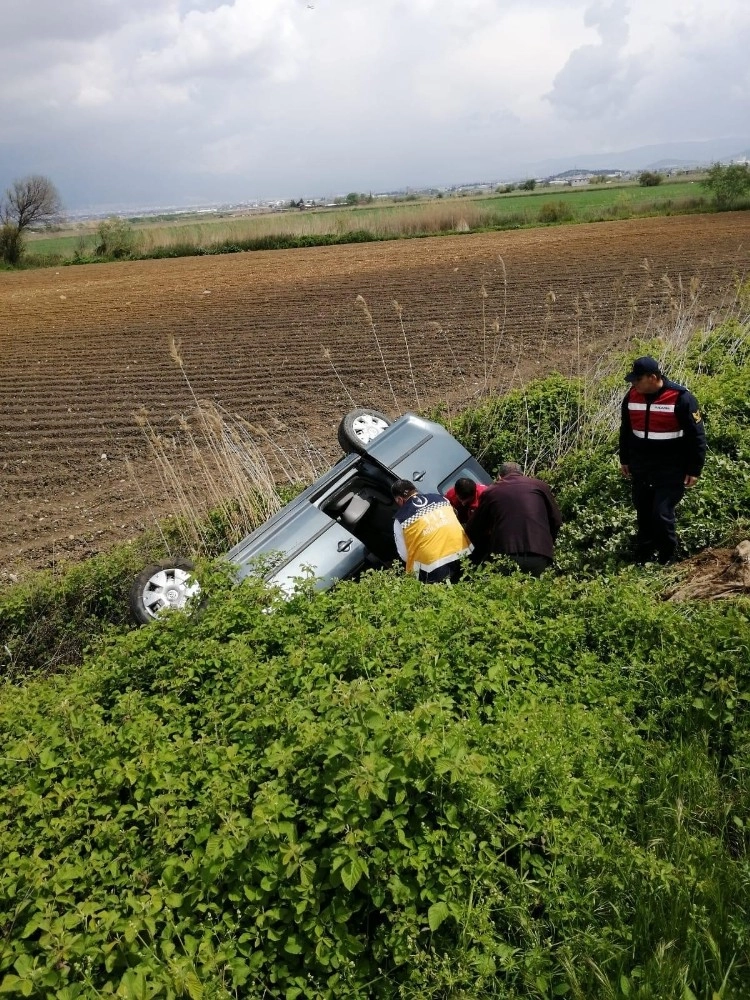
column 599, row 79
column 167, row 101
column 29, row 24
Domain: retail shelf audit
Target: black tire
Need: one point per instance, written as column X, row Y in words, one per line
column 166, row 584
column 359, row 427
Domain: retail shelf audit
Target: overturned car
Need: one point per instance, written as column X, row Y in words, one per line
column 342, row 523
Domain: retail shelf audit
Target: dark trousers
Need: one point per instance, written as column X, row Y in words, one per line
column 451, row 573
column 655, row 512
column 527, row 562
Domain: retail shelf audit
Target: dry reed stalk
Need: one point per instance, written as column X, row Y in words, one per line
column 483, row 296
column 499, row 329
column 136, row 480
column 456, row 366
column 399, row 313
column 363, row 306
column 329, row 359
column 215, row 463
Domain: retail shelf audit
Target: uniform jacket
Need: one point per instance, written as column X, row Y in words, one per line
column 516, row 516
column 428, row 534
column 662, row 434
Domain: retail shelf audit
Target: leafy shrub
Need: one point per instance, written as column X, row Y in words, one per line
column 555, row 211
column 11, row 243
column 117, row 239
column 728, row 184
column 532, row 425
column 387, row 790
column 509, row 788
column 47, row 622
column 649, row 178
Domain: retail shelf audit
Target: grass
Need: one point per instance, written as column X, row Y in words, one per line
column 207, row 234
column 511, row 788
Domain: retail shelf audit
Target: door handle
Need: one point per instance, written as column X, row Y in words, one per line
column 417, row 477
column 344, row 545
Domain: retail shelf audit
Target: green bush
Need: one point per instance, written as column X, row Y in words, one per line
column 117, row 239
column 500, row 789
column 532, row 425
column 512, row 788
column 649, row 178
column 728, row 184
column 48, row 621
column 555, row 211
column 11, row 243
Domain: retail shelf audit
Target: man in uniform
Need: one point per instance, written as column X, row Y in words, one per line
column 662, row 451
column 428, row 535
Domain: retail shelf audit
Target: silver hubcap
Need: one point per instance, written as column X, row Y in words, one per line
column 169, row 588
column 368, row 427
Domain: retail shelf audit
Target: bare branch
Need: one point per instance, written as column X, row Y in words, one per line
column 29, row 200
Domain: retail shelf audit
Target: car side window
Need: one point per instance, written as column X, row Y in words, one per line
column 471, row 469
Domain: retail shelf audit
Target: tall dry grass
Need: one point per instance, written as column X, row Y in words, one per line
column 449, row 215
column 218, row 463
column 662, row 318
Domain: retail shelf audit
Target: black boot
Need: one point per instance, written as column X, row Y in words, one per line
column 667, row 556
column 643, row 552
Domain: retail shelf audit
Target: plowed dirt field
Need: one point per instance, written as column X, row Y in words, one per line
column 280, row 338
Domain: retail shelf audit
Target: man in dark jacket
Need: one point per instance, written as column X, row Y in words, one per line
column 517, row 517
column 662, row 451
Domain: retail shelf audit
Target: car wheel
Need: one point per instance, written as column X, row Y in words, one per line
column 167, row 584
column 359, row 427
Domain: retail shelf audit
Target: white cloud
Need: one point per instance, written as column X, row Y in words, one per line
column 228, row 39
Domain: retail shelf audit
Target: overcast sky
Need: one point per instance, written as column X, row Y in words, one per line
column 157, row 102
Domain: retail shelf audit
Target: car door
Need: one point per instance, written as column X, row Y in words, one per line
column 326, row 550
column 301, row 539
column 421, row 451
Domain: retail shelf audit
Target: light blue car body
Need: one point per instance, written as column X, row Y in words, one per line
column 343, row 523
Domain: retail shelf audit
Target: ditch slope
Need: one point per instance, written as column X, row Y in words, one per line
column 281, row 338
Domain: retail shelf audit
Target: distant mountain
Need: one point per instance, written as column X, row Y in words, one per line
column 680, row 155
column 672, row 164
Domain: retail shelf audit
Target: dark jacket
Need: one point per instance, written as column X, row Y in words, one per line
column 662, row 435
column 516, row 516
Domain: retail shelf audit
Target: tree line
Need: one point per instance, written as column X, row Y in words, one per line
column 34, row 200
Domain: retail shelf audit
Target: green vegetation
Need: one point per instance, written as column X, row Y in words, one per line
column 555, row 211
column 29, row 201
column 650, row 178
column 117, row 239
column 374, row 220
column 510, row 788
column 729, row 185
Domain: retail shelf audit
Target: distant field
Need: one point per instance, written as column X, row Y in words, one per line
column 392, row 220
column 597, row 196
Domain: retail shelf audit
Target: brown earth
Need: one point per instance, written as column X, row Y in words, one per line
column 712, row 575
column 280, row 338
